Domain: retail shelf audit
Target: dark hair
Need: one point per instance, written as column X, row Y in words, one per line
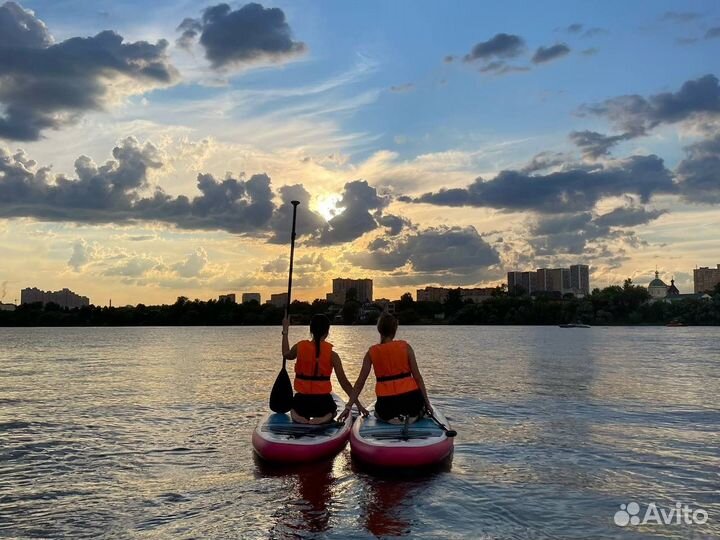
column 319, row 328
column 387, row 325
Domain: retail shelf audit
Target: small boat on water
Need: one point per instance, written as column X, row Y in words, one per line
column 419, row 444
column 672, row 324
column 278, row 439
column 574, row 325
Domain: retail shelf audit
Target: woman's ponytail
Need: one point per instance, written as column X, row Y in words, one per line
column 319, row 328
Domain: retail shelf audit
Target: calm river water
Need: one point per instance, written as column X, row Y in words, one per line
column 145, row 433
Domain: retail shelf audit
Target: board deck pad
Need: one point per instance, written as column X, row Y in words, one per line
column 282, row 424
column 373, row 428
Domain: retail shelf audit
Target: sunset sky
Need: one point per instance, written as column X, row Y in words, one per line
column 149, row 149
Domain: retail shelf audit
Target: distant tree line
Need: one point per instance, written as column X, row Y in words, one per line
column 621, row 305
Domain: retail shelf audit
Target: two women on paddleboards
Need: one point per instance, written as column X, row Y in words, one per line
column 400, row 389
column 315, row 361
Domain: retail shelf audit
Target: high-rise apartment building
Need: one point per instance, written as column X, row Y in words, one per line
column 341, row 286
column 705, row 278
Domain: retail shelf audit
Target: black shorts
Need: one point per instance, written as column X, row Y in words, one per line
column 407, row 404
column 314, row 405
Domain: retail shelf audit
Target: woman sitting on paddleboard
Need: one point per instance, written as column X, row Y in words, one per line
column 313, row 402
column 400, row 388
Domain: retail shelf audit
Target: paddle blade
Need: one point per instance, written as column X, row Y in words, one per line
column 282, row 393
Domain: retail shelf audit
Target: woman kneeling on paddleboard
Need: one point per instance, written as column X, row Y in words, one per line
column 400, row 389
column 313, row 402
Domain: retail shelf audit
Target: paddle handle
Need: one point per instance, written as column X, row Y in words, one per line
column 448, row 432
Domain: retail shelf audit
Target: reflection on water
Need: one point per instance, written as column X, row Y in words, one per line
column 145, row 433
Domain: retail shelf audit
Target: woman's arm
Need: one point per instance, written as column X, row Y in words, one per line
column 288, row 353
column 343, row 380
column 359, row 384
column 418, row 378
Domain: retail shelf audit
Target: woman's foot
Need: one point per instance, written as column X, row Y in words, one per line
column 314, row 421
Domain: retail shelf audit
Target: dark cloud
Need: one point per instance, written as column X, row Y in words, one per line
column 544, row 160
column 309, row 223
column 499, row 67
column 680, row 16
column 117, row 192
column 190, row 29
column 628, row 216
column 570, row 233
column 635, row 115
column 595, row 145
column 699, row 172
column 574, row 28
column 571, row 190
column 713, row 33
column 546, row 54
column 111, row 193
column 595, row 31
column 440, row 250
column 245, row 36
column 362, row 208
column 44, row 85
column 20, row 28
column 449, row 59
column 400, row 88
column 500, row 46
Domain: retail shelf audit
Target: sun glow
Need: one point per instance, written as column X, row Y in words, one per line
column 327, row 206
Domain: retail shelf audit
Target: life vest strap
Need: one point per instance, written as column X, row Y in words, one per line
column 395, row 377
column 312, row 377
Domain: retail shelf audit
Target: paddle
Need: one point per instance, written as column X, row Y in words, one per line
column 282, row 392
column 449, row 432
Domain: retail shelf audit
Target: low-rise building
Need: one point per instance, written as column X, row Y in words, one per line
column 251, row 297
column 476, row 294
column 230, row 297
column 432, row 294
column 65, row 298
column 7, row 307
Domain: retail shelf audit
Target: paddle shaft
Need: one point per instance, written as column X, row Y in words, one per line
column 292, row 259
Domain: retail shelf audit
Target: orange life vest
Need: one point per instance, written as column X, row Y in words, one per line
column 392, row 368
column 312, row 374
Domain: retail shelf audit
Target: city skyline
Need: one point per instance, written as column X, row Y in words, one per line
column 568, row 280
column 566, row 136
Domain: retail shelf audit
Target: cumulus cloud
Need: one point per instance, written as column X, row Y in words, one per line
column 47, row 85
column 82, row 254
column 572, row 232
column 236, row 38
column 449, row 251
column 119, row 191
column 362, row 208
column 636, row 115
column 571, row 190
column 547, row 54
column 500, row 46
column 699, row 172
column 193, row 265
column 696, row 101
